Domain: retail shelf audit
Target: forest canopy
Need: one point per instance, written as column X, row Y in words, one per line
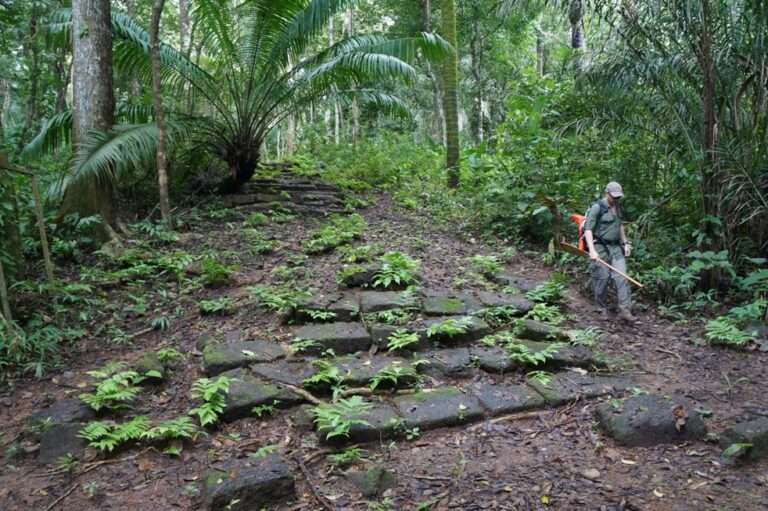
column 133, row 113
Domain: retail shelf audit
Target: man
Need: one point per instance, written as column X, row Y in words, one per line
column 606, row 240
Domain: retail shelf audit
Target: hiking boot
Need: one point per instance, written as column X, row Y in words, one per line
column 627, row 317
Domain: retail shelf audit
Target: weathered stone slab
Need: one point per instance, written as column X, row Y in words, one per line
column 566, row 356
column 443, row 305
column 345, row 307
column 358, row 371
column 493, row 360
column 378, row 301
column 381, row 424
column 448, row 362
column 754, row 432
column 59, row 440
column 340, row 337
column 293, row 373
column 570, row 386
column 538, row 331
column 249, row 485
column 363, row 277
column 641, row 421
column 62, row 412
column 442, row 407
column 522, row 284
column 218, row 358
column 519, row 303
column 473, row 329
column 504, row 398
column 247, row 392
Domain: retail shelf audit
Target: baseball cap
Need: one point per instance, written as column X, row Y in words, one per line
column 615, row 190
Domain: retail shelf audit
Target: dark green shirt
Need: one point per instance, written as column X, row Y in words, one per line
column 609, row 227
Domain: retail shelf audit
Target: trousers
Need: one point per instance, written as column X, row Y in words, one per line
column 613, row 255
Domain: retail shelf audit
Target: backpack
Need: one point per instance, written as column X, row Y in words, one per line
column 582, row 219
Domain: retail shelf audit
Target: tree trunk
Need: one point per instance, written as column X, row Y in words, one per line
column 290, row 136
column 576, row 17
column 184, row 38
column 32, row 54
column 710, row 173
column 162, row 159
column 93, row 102
column 450, row 93
column 540, row 53
column 477, row 77
column 349, row 27
column 336, row 111
column 4, row 93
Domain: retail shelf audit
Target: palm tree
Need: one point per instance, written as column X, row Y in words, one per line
column 255, row 70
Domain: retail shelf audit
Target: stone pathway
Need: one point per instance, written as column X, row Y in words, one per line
column 447, row 365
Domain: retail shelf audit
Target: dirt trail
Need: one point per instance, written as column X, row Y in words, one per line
column 552, row 457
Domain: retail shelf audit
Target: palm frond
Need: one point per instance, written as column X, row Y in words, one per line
column 105, row 156
column 55, row 134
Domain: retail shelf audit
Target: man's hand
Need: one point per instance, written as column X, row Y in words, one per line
column 627, row 249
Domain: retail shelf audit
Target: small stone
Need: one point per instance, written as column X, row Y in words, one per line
column 381, row 423
column 249, row 485
column 753, row 433
column 372, row 482
column 61, row 412
column 218, row 358
column 646, row 420
column 592, row 474
column 362, row 278
column 149, row 365
column 493, row 359
column 60, row 440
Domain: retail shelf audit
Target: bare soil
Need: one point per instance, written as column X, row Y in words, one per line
column 552, row 459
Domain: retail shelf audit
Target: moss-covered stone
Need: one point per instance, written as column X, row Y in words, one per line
column 641, row 421
column 502, row 398
column 340, row 337
column 246, row 485
column 150, row 366
column 443, row 407
column 372, row 482
column 569, row 386
column 218, row 358
column 443, row 306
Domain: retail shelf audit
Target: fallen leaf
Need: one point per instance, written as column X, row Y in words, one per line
column 628, row 462
column 658, row 493
column 680, row 417
column 545, row 500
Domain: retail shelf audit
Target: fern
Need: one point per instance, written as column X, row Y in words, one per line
column 115, row 392
column 397, row 270
column 402, row 339
column 724, row 330
column 336, row 420
column 450, row 327
column 522, row 354
column 175, row 429
column 107, row 436
column 395, row 374
column 550, row 292
column 213, row 394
